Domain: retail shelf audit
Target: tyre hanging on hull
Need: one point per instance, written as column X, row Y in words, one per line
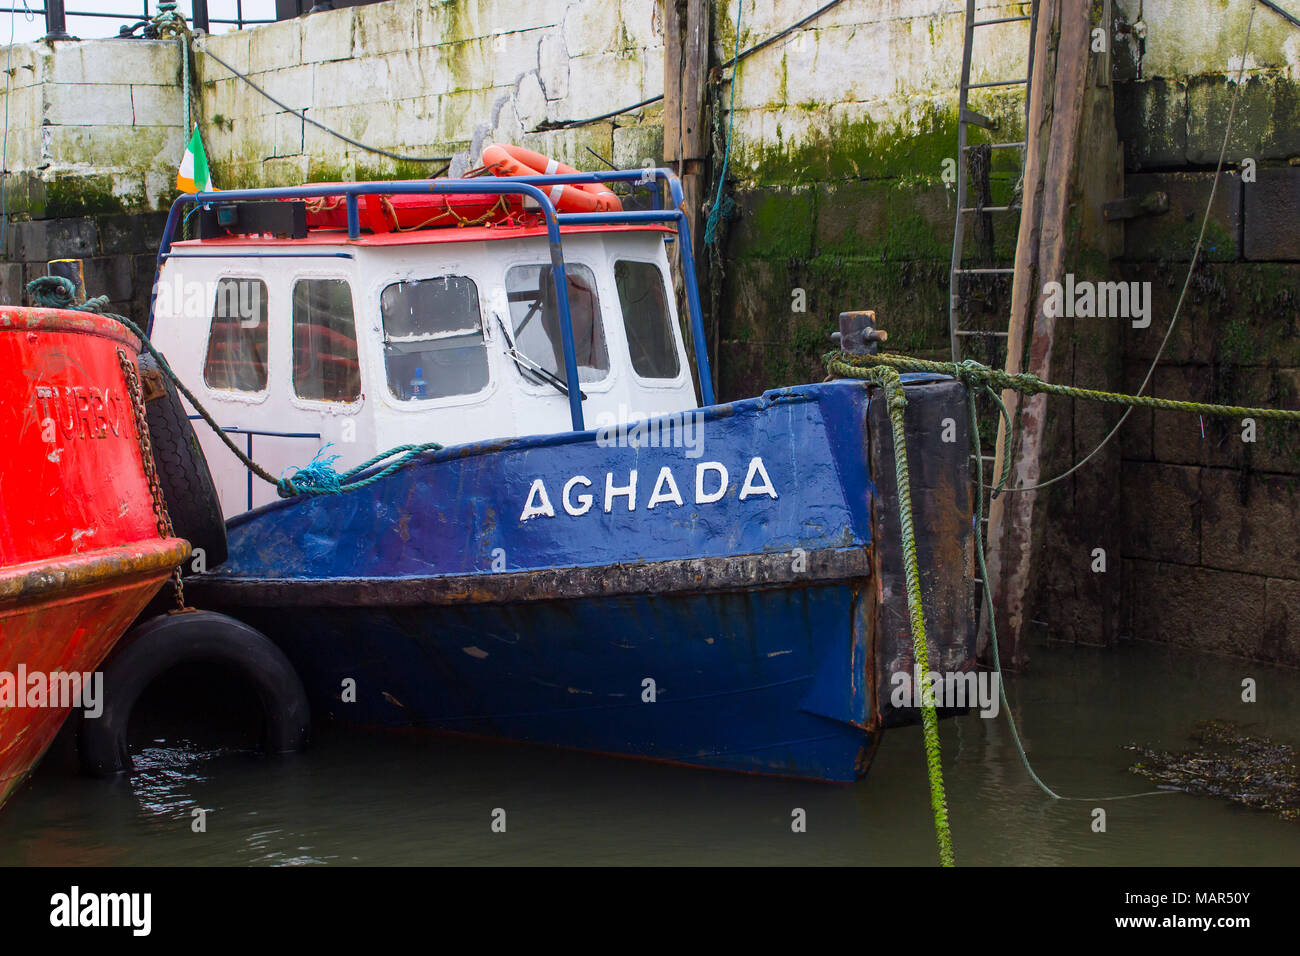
column 193, row 637
column 183, row 473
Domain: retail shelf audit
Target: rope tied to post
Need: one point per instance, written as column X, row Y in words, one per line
column 884, row 370
column 892, row 383
column 972, row 373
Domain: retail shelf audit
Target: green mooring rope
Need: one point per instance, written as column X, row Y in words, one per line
column 316, row 478
column 888, row 379
column 973, row 373
column 884, row 370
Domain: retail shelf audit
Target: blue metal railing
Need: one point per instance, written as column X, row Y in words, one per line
column 56, row 17
column 527, row 186
column 250, row 432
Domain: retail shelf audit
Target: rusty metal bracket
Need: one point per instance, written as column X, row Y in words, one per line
column 858, row 334
column 151, row 383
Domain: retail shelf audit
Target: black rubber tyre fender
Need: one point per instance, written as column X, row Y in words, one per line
column 182, row 468
column 154, row 647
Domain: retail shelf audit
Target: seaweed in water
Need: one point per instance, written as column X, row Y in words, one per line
column 1229, row 763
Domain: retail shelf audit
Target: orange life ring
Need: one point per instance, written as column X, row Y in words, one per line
column 505, row 160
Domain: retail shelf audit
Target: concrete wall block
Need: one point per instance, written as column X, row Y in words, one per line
column 88, row 104
column 351, row 83
column 1198, row 608
column 643, row 24
column 115, row 148
column 234, row 48
column 285, row 171
column 328, row 35
column 1185, row 38
column 12, row 288
column 1161, row 512
column 157, row 106
column 635, row 145
column 274, row 45
column 1171, row 236
column 1190, row 439
column 1251, row 523
column 1281, row 638
column 599, row 83
column 43, row 239
column 407, row 77
column 505, row 54
column 154, row 62
column 850, row 214
column 592, row 27
column 569, row 146
column 455, row 20
column 384, row 29
column 1272, row 214
column 323, row 147
column 529, row 101
column 858, row 58
column 1151, row 120
column 1191, row 341
column 289, row 134
column 416, row 121
column 110, row 276
column 294, row 86
column 1266, row 124
column 130, row 232
column 460, row 113
column 433, row 66
column 553, row 65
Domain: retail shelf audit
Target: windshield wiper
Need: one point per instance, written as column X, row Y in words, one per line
column 528, row 367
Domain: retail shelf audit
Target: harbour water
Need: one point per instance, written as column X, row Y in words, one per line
column 375, row 798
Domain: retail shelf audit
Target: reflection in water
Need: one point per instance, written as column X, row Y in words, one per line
column 406, row 798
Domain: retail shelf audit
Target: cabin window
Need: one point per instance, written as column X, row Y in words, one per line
column 236, row 357
column 643, row 297
column 535, row 321
column 325, row 364
column 433, row 338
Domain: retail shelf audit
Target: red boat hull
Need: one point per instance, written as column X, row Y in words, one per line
column 80, row 550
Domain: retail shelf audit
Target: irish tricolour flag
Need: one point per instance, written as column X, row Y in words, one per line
column 193, row 176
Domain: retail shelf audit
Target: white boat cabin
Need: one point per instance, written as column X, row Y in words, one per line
column 447, row 335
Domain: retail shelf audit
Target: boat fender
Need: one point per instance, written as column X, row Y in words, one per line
column 506, row 160
column 187, row 485
column 187, row 637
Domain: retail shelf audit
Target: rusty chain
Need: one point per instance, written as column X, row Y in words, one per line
column 164, row 521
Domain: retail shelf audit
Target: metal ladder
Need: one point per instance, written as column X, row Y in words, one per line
column 967, row 117
column 992, row 340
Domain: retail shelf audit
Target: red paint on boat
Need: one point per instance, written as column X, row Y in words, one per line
column 80, row 550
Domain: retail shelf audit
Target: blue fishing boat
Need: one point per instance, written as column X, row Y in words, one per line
column 572, row 546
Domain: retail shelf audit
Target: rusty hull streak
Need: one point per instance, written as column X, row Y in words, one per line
column 67, row 320
column 38, row 580
column 691, row 575
column 943, row 514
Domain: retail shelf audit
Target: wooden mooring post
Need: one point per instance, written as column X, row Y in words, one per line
column 686, row 137
column 1062, row 185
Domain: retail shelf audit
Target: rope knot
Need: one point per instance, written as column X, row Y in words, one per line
column 53, row 292
column 316, row 477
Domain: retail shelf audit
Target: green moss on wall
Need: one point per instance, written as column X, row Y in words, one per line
column 70, row 196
